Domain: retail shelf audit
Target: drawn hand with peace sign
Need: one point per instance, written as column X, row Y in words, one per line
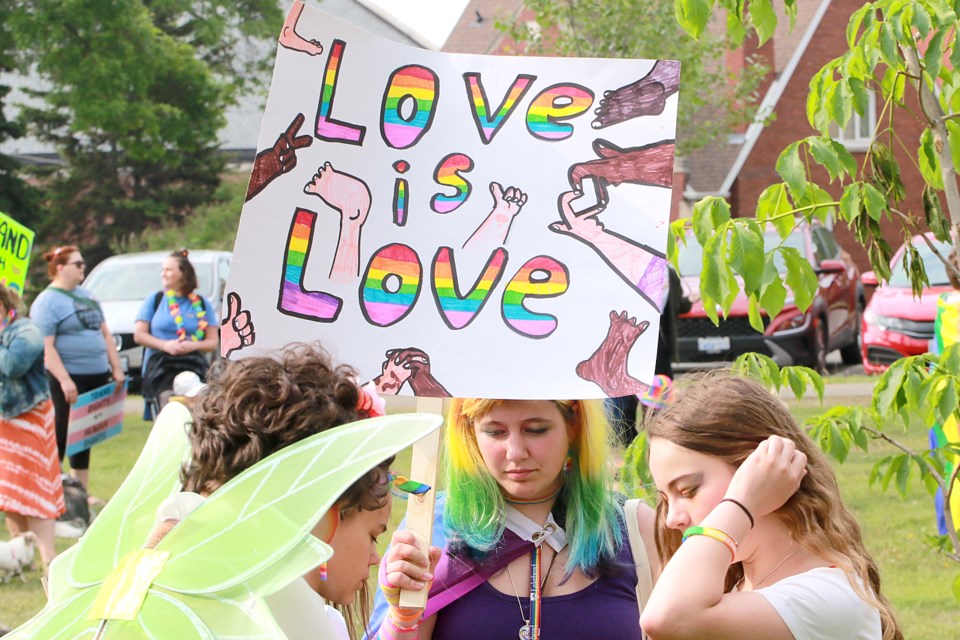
column 278, row 159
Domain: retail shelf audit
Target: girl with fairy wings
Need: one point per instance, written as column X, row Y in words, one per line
column 231, row 540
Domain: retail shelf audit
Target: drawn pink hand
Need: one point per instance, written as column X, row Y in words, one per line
column 507, row 202
column 586, row 226
column 236, row 330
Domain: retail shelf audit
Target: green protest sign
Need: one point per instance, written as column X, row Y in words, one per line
column 16, row 241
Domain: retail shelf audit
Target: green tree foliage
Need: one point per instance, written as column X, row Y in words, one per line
column 648, row 29
column 134, row 95
column 16, row 197
column 906, row 53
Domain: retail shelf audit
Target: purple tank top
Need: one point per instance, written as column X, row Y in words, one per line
column 605, row 609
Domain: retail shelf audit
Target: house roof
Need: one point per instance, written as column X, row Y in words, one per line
column 713, row 169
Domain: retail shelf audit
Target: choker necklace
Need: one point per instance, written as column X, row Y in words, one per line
column 531, row 626
column 768, row 573
column 534, row 500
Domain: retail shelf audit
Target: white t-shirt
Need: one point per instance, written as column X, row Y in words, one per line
column 820, row 604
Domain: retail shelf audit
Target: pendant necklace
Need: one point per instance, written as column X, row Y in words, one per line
column 531, row 626
column 769, row 573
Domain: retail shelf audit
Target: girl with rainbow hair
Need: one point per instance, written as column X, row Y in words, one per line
column 537, row 542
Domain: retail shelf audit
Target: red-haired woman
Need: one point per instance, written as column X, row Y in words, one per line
column 79, row 351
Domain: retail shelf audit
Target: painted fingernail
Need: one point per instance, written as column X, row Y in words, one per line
column 427, row 576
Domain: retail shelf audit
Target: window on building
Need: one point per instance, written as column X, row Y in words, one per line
column 856, row 135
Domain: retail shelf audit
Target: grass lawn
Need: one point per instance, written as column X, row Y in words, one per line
column 916, row 580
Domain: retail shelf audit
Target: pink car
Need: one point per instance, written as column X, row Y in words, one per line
column 895, row 323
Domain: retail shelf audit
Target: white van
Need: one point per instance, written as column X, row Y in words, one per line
column 121, row 283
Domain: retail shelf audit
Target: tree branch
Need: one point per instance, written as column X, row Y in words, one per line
column 931, row 107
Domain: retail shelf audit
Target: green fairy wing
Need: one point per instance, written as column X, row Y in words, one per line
column 248, row 539
column 65, row 619
column 129, row 517
column 122, row 526
column 254, row 532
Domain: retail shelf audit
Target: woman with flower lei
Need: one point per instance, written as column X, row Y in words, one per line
column 177, row 323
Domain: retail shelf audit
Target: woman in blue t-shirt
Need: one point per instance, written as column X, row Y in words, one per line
column 176, row 326
column 79, row 352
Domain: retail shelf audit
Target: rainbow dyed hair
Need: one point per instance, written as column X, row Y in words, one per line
column 475, row 508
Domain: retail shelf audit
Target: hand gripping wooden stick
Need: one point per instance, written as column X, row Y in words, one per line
column 420, row 508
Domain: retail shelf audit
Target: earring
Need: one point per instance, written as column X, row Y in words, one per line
column 323, row 571
column 568, row 463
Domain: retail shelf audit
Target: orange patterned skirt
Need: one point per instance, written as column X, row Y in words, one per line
column 29, row 467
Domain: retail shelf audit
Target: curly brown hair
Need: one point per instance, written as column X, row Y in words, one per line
column 727, row 417
column 254, row 407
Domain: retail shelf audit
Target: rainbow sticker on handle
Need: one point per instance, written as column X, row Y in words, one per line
column 295, row 300
column 411, row 85
column 488, row 126
column 456, row 310
column 540, row 277
column 448, row 174
column 392, row 285
column 553, row 105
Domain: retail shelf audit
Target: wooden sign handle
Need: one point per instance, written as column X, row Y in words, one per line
column 420, row 508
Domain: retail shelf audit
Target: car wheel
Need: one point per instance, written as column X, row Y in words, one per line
column 818, row 348
column 853, row 352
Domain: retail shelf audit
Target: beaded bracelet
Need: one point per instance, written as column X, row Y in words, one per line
column 405, row 619
column 716, row 534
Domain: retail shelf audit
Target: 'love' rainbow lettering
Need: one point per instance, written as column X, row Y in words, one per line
column 391, row 286
column 295, row 300
column 553, row 104
column 328, row 128
column 411, row 84
column 541, row 277
column 488, row 126
column 458, row 311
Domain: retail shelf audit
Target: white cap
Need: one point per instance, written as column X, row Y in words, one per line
column 187, row 384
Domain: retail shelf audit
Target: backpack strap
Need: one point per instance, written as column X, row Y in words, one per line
column 87, row 302
column 639, row 550
column 156, row 302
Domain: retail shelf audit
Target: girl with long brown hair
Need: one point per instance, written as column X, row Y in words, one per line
column 769, row 549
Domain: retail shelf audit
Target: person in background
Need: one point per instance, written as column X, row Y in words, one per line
column 177, row 326
column 946, row 332
column 768, row 548
column 31, row 495
column 79, row 350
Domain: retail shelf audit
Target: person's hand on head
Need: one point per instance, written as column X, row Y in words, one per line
column 769, row 476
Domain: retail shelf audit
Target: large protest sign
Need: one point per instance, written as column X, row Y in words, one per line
column 16, row 241
column 455, row 224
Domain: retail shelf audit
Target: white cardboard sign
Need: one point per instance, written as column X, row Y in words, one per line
column 458, row 225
